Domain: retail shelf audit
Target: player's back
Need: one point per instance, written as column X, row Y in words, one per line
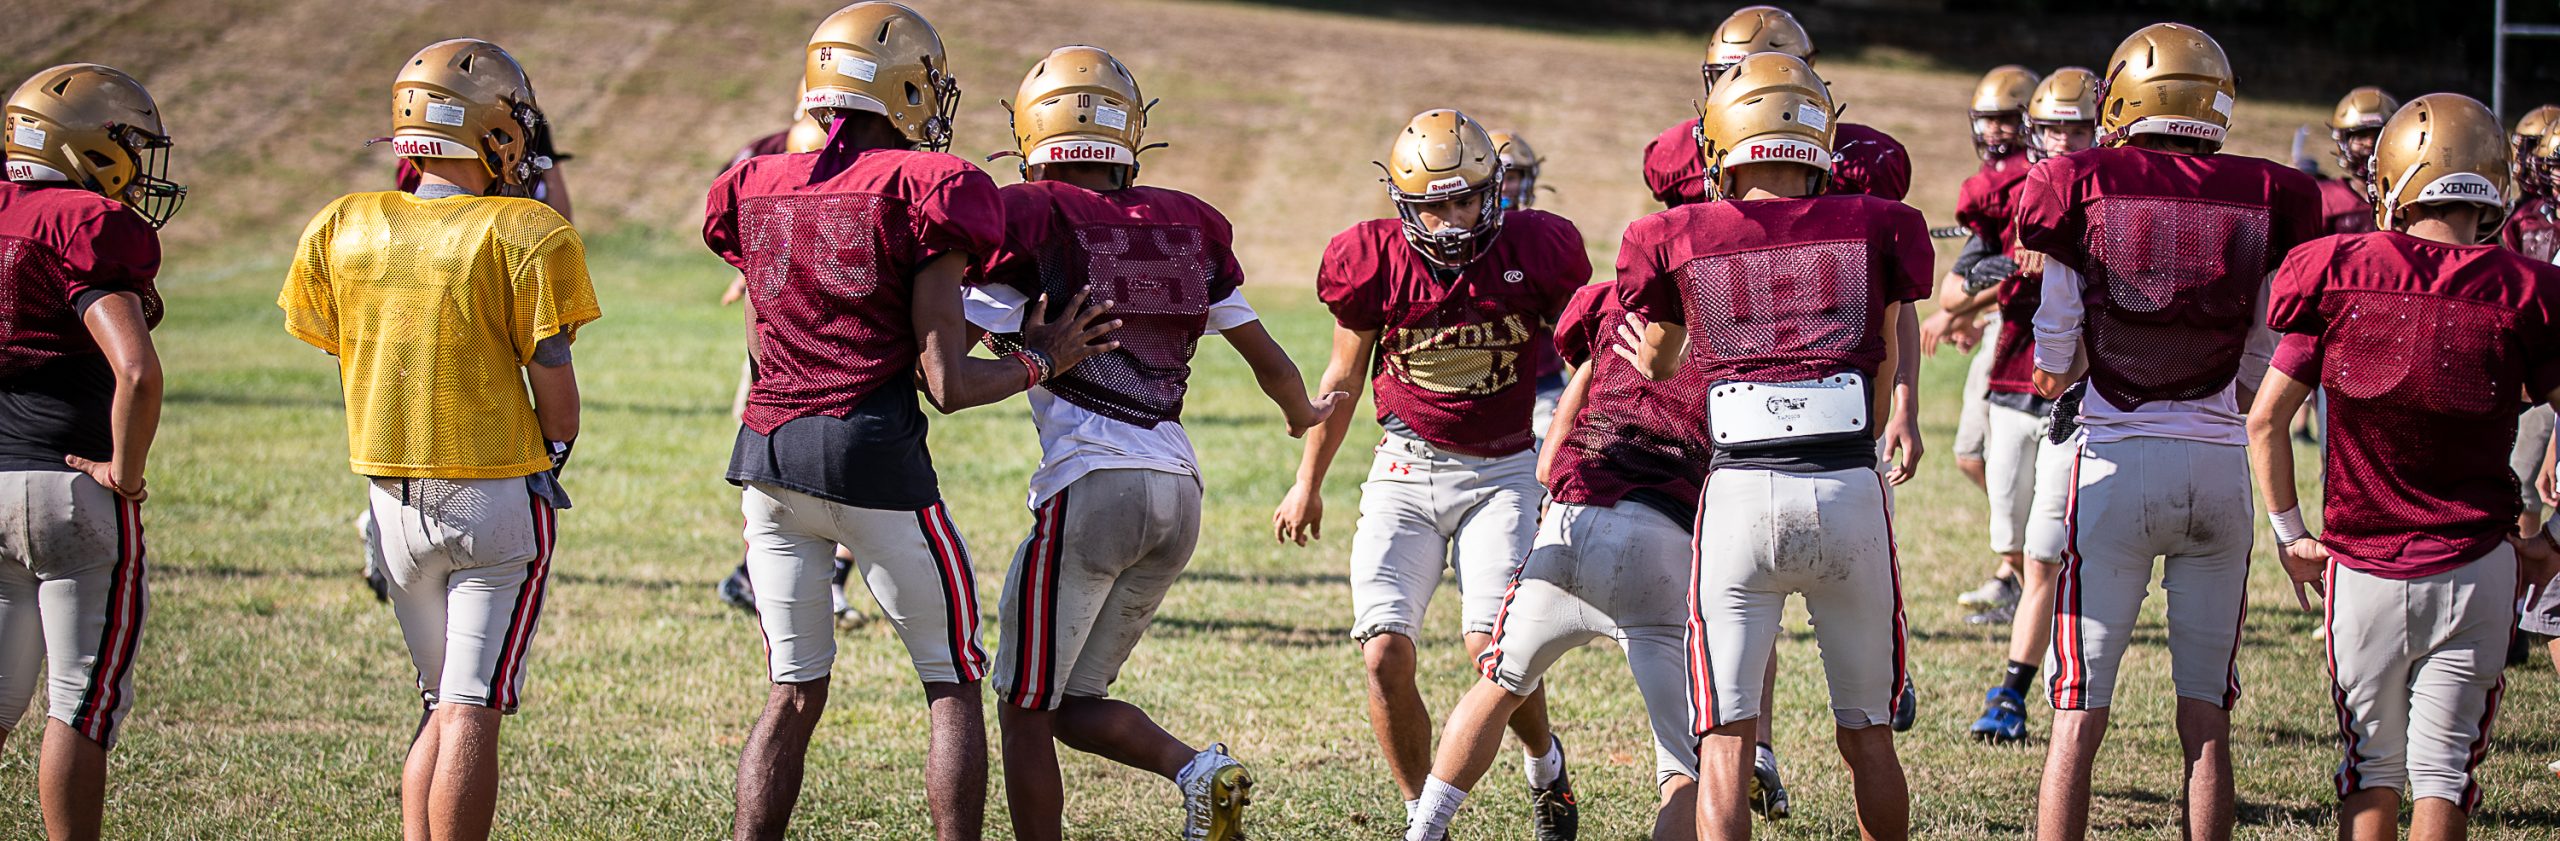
column 1776, row 290
column 433, row 307
column 55, row 244
column 1162, row 258
column 1634, row 437
column 2343, row 207
column 830, row 243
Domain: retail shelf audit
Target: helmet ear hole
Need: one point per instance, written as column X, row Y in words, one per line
column 914, row 96
column 883, row 36
column 97, row 159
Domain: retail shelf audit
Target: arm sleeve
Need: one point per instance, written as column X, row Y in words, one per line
column 1645, row 286
column 117, row 252
column 554, row 296
column 720, row 218
column 1348, row 283
column 2058, row 319
column 309, row 301
column 1578, row 326
column 1232, row 312
column 2042, row 216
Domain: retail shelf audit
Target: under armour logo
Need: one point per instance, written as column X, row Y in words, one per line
column 1513, row 276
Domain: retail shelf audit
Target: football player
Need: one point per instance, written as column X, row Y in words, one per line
column 1998, row 114
column 2422, row 335
column 1520, row 166
column 1797, row 306
column 854, row 257
column 2532, row 229
column 1624, row 465
column 2345, row 206
column 455, row 295
column 80, row 212
column 2156, row 250
column 1444, row 304
column 1868, row 161
column 2028, row 484
column 1116, row 500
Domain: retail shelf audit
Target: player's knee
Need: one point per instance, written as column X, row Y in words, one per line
column 1388, row 656
column 807, row 696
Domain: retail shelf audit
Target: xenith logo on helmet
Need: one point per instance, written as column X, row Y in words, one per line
column 2462, row 186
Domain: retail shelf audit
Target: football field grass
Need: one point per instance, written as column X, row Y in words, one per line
column 274, row 698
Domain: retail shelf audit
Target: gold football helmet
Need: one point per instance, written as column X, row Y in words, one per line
column 2003, row 92
column 1754, row 29
column 1520, row 164
column 1079, row 105
column 1767, row 108
column 2361, row 111
column 466, row 98
column 2531, row 172
column 2167, row 79
column 1444, row 156
column 806, row 136
column 2067, row 97
column 2442, row 147
column 92, row 125
column 882, row 57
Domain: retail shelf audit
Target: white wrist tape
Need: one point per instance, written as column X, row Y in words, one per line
column 2289, row 526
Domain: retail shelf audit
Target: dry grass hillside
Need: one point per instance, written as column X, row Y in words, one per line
column 1274, row 113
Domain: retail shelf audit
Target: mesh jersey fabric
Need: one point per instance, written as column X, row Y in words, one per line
column 2422, row 348
column 1633, row 434
column 2343, row 208
column 1454, row 356
column 61, row 249
column 2172, row 250
column 830, row 243
column 1865, row 161
column 1161, row 257
column 433, row 308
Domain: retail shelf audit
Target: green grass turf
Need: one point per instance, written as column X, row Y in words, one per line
column 274, row 697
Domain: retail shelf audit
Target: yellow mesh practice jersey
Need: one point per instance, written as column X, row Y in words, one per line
column 433, row 308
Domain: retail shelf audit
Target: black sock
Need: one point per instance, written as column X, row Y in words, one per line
column 2019, row 678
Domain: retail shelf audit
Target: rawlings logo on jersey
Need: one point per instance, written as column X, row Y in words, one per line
column 1514, row 276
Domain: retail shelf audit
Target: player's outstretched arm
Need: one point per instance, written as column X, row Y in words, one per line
column 1577, row 391
column 1300, row 517
column 2271, row 456
column 1279, row 378
column 953, row 380
column 1902, row 361
column 116, row 323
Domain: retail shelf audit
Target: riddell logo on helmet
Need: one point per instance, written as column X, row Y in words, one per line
column 1775, row 152
column 1780, row 150
column 1082, row 151
column 428, row 147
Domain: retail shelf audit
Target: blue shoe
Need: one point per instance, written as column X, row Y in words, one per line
column 2004, row 718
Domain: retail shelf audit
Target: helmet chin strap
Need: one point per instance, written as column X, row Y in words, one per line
column 2391, row 202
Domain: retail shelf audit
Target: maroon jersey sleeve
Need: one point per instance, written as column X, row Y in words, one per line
column 1350, row 281
column 1221, row 232
column 2542, row 331
column 2044, row 216
column 2293, row 308
column 959, row 215
column 1027, row 224
column 1870, row 162
column 2295, row 207
column 1568, row 269
column 1905, row 235
column 1645, row 286
column 1672, row 170
column 1578, row 329
column 115, row 251
column 720, row 217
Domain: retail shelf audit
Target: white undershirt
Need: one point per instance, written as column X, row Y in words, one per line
column 1073, row 441
column 2218, row 419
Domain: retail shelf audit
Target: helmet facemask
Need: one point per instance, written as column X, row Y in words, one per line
column 2358, row 166
column 936, row 130
column 151, row 194
column 1452, row 248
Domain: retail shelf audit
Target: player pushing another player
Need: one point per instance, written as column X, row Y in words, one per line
column 1798, row 307
column 1117, row 495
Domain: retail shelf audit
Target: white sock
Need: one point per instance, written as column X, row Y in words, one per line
column 1432, row 813
column 1543, row 770
column 1765, row 758
column 1412, row 809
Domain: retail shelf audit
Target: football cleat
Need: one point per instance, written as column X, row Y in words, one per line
column 2004, row 717
column 1992, row 593
column 1906, row 708
column 1768, row 792
column 1554, row 814
column 1999, row 614
column 1215, row 790
column 736, row 591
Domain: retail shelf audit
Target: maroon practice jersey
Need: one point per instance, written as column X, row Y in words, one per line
column 1455, row 354
column 1161, row 257
column 1778, row 290
column 2172, row 250
column 1984, row 200
column 2343, row 208
column 61, row 249
column 1865, row 161
column 2423, row 349
column 1633, row 434
column 830, row 256
column 2533, row 232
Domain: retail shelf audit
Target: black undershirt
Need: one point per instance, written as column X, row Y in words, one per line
column 64, row 408
column 873, row 457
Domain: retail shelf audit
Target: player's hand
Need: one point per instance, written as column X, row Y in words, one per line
column 1934, row 330
column 1967, row 334
column 105, row 474
column 1630, row 342
column 2543, row 482
column 737, row 291
column 1072, row 339
column 2305, row 561
column 1317, row 411
column 1301, row 516
column 1902, row 445
column 2049, row 385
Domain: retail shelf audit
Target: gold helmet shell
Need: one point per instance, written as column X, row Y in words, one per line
column 2364, row 109
column 2067, row 97
column 883, row 58
column 2003, row 92
column 1754, row 29
column 2537, row 122
column 1766, row 108
column 1442, row 156
column 2167, row 79
column 2442, row 147
column 806, row 135
column 1079, row 105
column 466, row 98
column 92, row 125
column 1520, row 165
column 2532, row 171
